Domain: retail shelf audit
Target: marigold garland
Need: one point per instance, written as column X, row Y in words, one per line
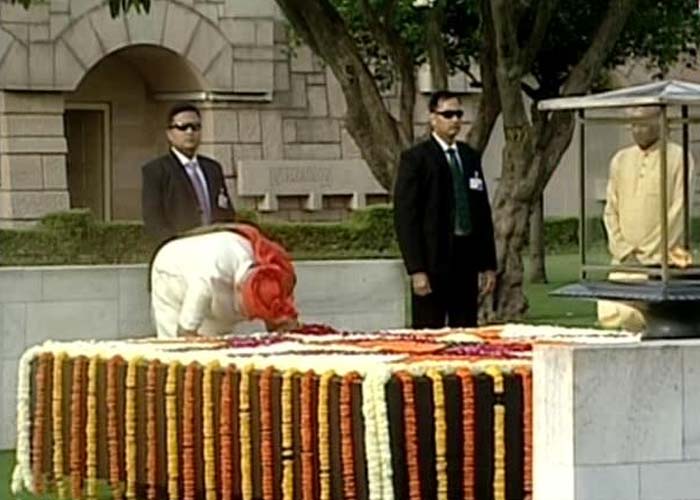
column 151, row 430
column 467, row 385
column 287, row 436
column 130, row 419
column 171, row 419
column 208, row 431
column 307, row 454
column 526, row 377
column 43, row 381
column 225, row 434
column 440, row 434
column 77, row 428
column 266, row 457
column 499, row 448
column 245, row 438
column 114, row 442
column 189, row 463
column 324, row 459
column 346, row 431
column 91, row 430
column 410, row 435
column 57, row 413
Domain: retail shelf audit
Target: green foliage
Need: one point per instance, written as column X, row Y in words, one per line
column 75, row 237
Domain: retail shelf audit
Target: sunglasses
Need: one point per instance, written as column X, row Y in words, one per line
column 183, row 127
column 451, row 113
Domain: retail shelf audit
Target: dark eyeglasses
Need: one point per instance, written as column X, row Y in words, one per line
column 451, row 113
column 182, row 127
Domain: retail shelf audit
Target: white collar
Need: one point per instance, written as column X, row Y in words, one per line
column 445, row 147
column 183, row 159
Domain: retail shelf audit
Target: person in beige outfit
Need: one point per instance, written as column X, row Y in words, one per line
column 632, row 208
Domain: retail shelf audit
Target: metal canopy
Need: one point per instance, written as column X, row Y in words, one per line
column 667, row 92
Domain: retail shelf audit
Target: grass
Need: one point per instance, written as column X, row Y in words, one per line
column 561, row 270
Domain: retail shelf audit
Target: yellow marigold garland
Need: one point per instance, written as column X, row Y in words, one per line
column 151, row 429
column 467, row 384
column 307, row 454
column 225, row 434
column 77, row 428
column 208, row 431
column 287, row 436
column 525, row 374
column 499, row 442
column 130, row 434
column 189, row 462
column 245, row 437
column 114, row 441
column 57, row 413
column 410, row 435
column 91, row 430
column 171, row 419
column 42, row 380
column 440, row 434
column 324, row 458
column 266, row 457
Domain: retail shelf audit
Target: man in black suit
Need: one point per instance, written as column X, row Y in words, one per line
column 183, row 190
column 443, row 222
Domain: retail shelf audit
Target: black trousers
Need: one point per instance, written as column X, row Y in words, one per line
column 454, row 298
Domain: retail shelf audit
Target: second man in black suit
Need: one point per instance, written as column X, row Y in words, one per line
column 182, row 190
column 443, row 222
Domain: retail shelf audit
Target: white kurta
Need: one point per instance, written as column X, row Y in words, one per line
column 193, row 282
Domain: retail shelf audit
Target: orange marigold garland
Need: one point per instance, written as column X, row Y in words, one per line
column 225, row 435
column 151, row 429
column 499, row 448
column 57, row 413
column 208, row 430
column 130, row 434
column 77, row 428
column 440, row 434
column 43, row 381
column 410, row 435
column 171, row 419
column 244, row 424
column 189, row 464
column 307, row 454
column 467, row 384
column 266, row 457
column 324, row 458
column 114, row 442
column 91, row 430
column 526, row 377
column 287, row 436
column 348, row 450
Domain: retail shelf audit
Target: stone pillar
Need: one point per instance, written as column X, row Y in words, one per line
column 32, row 157
column 617, row 422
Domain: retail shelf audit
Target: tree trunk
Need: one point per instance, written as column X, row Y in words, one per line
column 538, row 273
column 436, row 47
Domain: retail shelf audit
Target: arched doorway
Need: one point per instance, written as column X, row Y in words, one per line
column 114, row 123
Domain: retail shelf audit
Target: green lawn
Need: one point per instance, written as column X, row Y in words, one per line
column 561, row 269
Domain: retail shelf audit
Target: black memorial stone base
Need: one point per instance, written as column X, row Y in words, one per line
column 671, row 310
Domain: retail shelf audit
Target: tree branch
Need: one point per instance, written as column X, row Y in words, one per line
column 543, row 15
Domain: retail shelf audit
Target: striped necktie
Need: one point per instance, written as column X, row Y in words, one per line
column 463, row 224
column 199, row 190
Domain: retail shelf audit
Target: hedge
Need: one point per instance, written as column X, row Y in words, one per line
column 75, row 237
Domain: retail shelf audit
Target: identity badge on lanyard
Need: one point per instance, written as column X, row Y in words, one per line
column 476, row 183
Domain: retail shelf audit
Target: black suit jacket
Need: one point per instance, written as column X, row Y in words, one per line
column 169, row 202
column 424, row 211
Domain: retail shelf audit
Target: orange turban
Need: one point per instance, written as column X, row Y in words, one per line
column 267, row 291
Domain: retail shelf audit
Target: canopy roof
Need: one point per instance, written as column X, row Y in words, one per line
column 667, row 92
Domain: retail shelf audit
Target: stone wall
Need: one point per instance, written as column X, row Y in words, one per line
column 111, row 302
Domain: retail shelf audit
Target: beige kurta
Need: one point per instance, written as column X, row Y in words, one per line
column 631, row 217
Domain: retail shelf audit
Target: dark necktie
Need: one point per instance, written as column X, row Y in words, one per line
column 199, row 190
column 463, row 224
